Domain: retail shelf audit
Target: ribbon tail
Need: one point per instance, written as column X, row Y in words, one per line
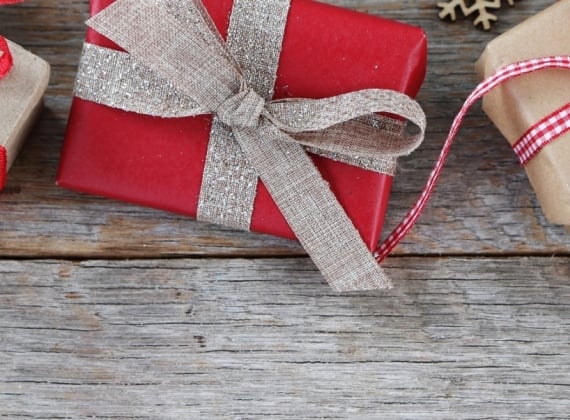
column 311, row 209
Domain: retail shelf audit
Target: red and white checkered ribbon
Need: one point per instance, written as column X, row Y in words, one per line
column 506, row 73
column 542, row 133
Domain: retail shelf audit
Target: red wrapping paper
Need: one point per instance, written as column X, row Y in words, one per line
column 158, row 162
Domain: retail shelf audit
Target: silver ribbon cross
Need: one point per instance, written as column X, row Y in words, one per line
column 178, row 65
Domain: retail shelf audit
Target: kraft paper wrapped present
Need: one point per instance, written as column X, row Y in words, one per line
column 522, row 102
column 21, row 93
column 127, row 152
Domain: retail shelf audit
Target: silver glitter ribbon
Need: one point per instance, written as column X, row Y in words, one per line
column 178, row 65
column 229, row 183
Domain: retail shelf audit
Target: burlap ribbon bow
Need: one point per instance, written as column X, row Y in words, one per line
column 177, row 64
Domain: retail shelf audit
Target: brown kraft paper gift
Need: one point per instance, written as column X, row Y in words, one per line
column 521, row 102
column 21, row 93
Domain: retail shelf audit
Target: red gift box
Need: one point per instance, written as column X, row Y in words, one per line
column 158, row 162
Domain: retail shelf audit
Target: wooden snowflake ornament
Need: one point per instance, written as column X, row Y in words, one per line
column 468, row 7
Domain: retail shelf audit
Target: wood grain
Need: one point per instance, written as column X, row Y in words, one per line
column 114, row 311
column 484, row 204
column 265, row 338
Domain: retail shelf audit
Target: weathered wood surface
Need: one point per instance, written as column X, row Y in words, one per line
column 114, row 311
column 483, row 205
column 265, row 338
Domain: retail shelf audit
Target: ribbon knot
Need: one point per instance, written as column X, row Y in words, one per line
column 242, row 110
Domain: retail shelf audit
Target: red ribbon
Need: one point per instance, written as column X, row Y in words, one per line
column 555, row 124
column 6, row 61
column 3, row 167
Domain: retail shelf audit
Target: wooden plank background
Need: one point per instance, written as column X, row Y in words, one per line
column 108, row 310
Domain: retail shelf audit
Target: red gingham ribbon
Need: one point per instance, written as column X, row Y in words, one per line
column 3, row 167
column 506, row 73
column 6, row 61
column 542, row 134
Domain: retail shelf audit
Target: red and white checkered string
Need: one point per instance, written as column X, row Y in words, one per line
column 557, row 122
column 6, row 61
